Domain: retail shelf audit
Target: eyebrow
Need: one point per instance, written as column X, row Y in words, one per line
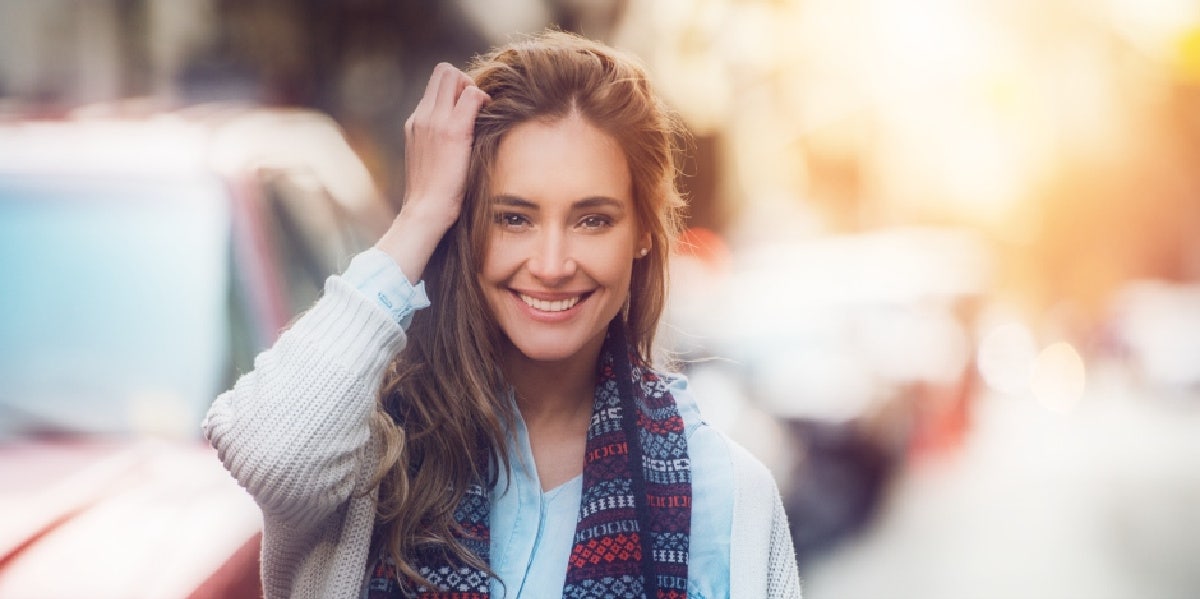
column 584, row 203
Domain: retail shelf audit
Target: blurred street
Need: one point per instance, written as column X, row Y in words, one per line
column 1096, row 503
column 940, row 273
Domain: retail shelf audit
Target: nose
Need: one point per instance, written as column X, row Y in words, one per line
column 551, row 262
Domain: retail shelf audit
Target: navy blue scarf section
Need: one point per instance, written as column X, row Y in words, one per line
column 631, row 539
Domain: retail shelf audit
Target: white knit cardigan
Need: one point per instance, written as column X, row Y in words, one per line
column 294, row 432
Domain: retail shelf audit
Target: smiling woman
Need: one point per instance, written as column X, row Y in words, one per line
column 559, row 261
column 522, row 444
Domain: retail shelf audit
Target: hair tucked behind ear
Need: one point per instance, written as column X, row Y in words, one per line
column 443, row 407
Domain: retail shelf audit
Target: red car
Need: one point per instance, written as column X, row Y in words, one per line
column 146, row 262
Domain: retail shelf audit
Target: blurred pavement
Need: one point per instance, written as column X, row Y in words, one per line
column 1098, row 502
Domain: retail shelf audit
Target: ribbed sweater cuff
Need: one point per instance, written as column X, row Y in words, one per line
column 351, row 329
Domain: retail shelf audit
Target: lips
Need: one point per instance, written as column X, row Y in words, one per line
column 561, row 304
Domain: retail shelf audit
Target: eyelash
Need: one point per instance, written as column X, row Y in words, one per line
column 513, row 220
column 596, row 221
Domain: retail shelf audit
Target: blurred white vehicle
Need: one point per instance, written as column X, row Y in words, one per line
column 147, row 260
column 859, row 346
column 1157, row 324
column 830, row 327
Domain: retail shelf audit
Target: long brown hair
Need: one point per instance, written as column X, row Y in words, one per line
column 443, row 407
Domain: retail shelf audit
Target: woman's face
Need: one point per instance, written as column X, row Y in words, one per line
column 563, row 239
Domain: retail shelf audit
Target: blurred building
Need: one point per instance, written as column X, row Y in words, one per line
column 363, row 61
column 1065, row 132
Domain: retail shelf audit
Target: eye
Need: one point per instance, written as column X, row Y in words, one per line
column 511, row 220
column 595, row 221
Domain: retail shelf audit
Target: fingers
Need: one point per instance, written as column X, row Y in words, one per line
column 460, row 84
column 449, row 102
column 446, row 99
column 435, row 78
column 447, row 90
column 469, row 102
column 429, row 98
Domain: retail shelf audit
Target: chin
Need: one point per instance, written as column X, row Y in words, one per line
column 545, row 354
column 552, row 347
column 542, row 352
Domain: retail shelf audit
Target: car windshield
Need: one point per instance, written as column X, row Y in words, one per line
column 113, row 314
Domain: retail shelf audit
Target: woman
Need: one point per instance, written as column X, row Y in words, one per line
column 521, row 445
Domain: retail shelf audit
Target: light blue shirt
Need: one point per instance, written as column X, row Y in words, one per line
column 532, row 530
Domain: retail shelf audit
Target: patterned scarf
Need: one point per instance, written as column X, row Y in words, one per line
column 631, row 539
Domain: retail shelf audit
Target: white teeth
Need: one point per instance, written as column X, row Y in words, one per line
column 548, row 306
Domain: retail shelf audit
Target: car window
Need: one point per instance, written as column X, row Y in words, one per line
column 312, row 238
column 114, row 312
column 244, row 344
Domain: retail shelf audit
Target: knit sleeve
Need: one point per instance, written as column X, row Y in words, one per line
column 294, row 431
column 783, row 575
column 763, row 564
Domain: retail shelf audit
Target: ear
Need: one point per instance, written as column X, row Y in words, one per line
column 643, row 244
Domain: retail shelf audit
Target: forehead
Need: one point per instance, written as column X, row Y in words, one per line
column 560, row 160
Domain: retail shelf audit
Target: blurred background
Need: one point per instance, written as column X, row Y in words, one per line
column 942, row 272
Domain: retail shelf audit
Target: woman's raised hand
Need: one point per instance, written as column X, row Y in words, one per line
column 437, row 139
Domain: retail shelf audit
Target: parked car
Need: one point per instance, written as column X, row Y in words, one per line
column 147, row 260
column 837, row 358
column 1154, row 327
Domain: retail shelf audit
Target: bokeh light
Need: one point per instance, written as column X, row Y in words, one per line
column 1058, row 377
column 1006, row 358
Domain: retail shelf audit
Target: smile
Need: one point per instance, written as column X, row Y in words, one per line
column 561, row 305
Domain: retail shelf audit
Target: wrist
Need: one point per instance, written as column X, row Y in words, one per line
column 411, row 239
column 428, row 213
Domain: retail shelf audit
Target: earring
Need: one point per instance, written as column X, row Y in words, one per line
column 643, row 252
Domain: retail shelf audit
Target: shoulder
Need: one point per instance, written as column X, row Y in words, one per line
column 708, row 448
column 735, row 498
column 752, row 473
column 719, row 462
column 700, row 433
column 710, row 452
column 706, row 443
column 698, row 430
column 763, row 560
column 685, row 402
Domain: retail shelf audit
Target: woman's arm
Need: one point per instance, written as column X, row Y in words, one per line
column 295, row 430
column 438, row 141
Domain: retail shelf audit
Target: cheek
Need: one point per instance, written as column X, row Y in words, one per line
column 618, row 269
column 612, row 259
column 498, row 260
